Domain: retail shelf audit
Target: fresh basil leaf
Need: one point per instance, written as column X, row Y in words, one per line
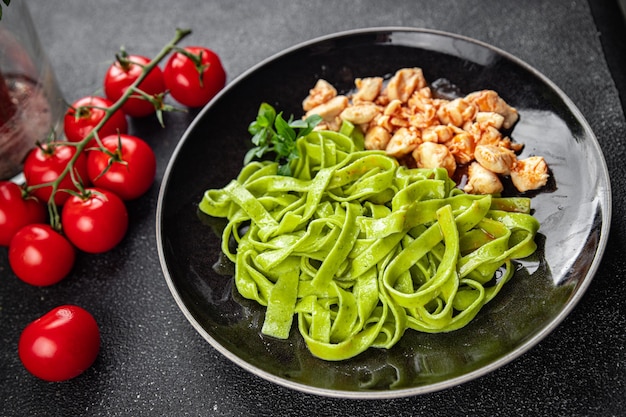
column 284, row 170
column 281, row 148
column 260, row 137
column 254, row 128
column 313, row 120
column 267, row 113
column 298, row 124
column 250, row 155
column 283, row 129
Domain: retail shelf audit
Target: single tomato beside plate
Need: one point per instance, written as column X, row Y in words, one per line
column 61, row 344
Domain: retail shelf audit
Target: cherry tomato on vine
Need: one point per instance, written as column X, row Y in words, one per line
column 183, row 80
column 61, row 344
column 96, row 221
column 127, row 167
column 17, row 211
column 86, row 113
column 123, row 73
column 46, row 163
column 40, row 256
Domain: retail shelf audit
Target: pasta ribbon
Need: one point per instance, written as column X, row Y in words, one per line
column 360, row 249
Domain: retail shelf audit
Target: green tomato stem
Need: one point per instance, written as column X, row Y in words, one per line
column 80, row 146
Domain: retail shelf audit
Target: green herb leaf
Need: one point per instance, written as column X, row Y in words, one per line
column 284, row 131
column 310, row 123
column 271, row 133
column 267, row 112
column 284, row 170
column 251, row 154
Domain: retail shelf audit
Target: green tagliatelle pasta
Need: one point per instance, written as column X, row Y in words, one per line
column 361, row 249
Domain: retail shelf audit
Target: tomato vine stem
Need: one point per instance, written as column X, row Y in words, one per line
column 80, row 146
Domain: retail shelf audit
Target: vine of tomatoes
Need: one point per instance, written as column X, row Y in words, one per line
column 73, row 199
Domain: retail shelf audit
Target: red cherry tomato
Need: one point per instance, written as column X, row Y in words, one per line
column 45, row 164
column 96, row 221
column 40, row 256
column 123, row 73
column 17, row 211
column 85, row 114
column 61, row 344
column 128, row 169
column 182, row 76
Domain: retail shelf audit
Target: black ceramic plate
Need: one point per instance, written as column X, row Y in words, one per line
column 574, row 214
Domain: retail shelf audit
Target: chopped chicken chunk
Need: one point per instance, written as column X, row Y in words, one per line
column 377, row 138
column 367, row 89
column 322, row 92
column 530, row 173
column 482, row 181
column 490, row 101
column 495, row 158
column 330, row 109
column 434, row 155
column 404, row 82
column 403, row 142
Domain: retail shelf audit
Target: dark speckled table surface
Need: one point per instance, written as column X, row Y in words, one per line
column 152, row 361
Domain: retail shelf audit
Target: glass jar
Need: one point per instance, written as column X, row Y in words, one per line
column 31, row 103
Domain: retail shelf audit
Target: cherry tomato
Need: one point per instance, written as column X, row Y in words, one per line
column 85, row 114
column 182, row 76
column 46, row 163
column 123, row 73
column 132, row 166
column 17, row 211
column 40, row 256
column 96, row 221
column 61, row 344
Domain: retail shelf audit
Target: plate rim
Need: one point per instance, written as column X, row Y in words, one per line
column 605, row 204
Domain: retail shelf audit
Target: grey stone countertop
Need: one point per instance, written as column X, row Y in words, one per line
column 152, row 361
